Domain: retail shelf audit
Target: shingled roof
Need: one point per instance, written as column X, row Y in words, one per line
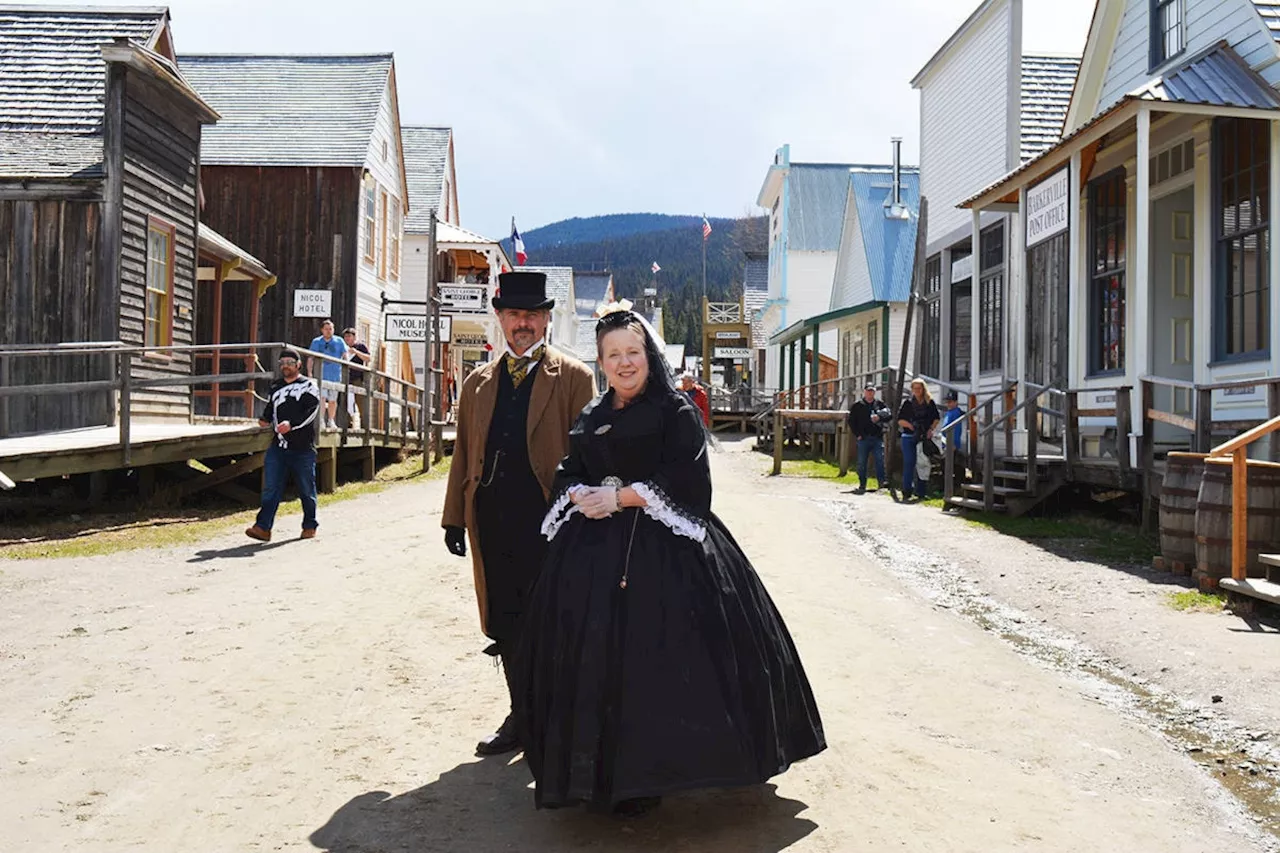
column 559, row 283
column 755, row 294
column 289, row 110
column 53, row 84
column 1047, row 82
column 426, row 157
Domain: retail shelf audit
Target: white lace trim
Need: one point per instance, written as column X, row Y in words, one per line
column 661, row 508
column 557, row 516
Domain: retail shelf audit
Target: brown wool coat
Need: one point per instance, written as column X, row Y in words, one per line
column 561, row 388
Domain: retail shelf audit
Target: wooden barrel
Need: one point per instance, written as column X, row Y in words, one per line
column 1213, row 519
column 1178, row 496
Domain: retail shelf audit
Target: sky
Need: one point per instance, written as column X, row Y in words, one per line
column 566, row 108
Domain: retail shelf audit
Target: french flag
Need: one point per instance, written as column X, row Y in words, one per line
column 522, row 257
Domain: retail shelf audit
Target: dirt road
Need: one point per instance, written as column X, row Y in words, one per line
column 328, row 694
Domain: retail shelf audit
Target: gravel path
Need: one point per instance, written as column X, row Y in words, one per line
column 327, row 695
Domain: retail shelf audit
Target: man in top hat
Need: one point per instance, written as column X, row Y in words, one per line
column 514, row 415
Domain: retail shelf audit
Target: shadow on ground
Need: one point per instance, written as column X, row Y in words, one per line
column 249, row 549
column 487, row 805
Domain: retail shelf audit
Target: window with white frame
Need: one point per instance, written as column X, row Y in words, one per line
column 991, row 299
column 1168, row 30
column 931, row 320
column 1242, row 166
column 1107, row 200
column 370, row 218
column 394, row 237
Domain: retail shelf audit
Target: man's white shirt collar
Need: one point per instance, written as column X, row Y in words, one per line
column 507, row 350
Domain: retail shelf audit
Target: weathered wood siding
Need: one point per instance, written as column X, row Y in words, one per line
column 160, row 167
column 52, row 290
column 301, row 222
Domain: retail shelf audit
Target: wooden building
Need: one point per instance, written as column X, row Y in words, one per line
column 306, row 172
column 229, row 287
column 99, row 171
column 1160, row 196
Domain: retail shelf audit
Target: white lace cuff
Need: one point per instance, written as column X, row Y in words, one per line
column 562, row 509
column 662, row 508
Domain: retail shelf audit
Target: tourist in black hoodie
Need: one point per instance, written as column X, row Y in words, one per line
column 290, row 412
column 867, row 418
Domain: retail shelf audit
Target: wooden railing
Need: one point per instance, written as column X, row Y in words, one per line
column 724, row 313
column 1120, row 411
column 376, row 387
column 1238, row 449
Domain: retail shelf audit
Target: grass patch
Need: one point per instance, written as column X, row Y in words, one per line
column 1195, row 601
column 100, row 534
column 1101, row 539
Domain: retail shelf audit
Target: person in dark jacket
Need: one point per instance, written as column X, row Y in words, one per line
column 290, row 412
column 867, row 419
column 918, row 418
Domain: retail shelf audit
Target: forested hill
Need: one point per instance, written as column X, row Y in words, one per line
column 595, row 229
column 630, row 255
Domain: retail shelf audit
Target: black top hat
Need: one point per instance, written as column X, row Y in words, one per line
column 526, row 291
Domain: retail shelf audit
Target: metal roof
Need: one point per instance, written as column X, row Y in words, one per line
column 816, row 213
column 1217, row 77
column 53, row 78
column 755, row 295
column 888, row 243
column 426, row 157
column 1047, row 82
column 289, row 110
column 559, row 282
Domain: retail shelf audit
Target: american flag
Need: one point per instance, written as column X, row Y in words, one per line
column 706, row 228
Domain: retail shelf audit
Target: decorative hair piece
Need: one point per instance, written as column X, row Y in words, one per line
column 606, row 308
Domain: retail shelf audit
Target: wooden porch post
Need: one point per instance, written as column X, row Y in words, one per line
column 814, row 371
column 791, row 366
column 1239, row 513
column 975, row 302
column 1137, row 355
column 1275, row 263
column 1077, row 329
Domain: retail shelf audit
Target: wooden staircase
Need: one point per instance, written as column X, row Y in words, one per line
column 1013, row 490
column 1266, row 589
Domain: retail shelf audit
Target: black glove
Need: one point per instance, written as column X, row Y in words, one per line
column 456, row 540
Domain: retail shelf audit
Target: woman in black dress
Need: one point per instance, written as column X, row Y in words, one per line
column 651, row 659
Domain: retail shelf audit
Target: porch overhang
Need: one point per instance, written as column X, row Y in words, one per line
column 802, row 328
column 1215, row 83
column 219, row 258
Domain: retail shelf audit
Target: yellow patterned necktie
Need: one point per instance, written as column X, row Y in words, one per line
column 518, row 367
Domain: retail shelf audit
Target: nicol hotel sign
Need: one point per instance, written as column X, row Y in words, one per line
column 1048, row 207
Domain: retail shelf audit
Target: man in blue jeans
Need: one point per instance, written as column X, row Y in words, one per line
column 867, row 418
column 290, row 412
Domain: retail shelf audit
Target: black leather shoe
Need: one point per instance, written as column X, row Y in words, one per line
column 501, row 742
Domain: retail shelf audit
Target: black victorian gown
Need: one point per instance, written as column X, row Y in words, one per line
column 651, row 658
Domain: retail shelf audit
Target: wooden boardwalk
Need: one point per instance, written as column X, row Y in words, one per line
column 83, row 451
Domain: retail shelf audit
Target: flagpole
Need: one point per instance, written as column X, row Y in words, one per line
column 702, row 309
